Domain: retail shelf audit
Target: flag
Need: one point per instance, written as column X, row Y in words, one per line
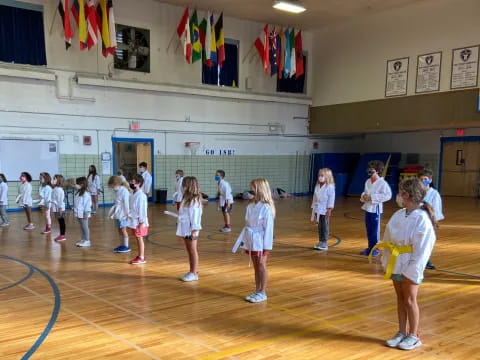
column 213, row 44
column 92, row 25
column 208, row 39
column 299, row 54
column 111, row 29
column 195, row 38
column 64, row 10
column 272, row 46
column 183, row 31
column 281, row 53
column 261, row 43
column 78, row 12
column 202, row 30
column 220, row 37
column 288, row 63
column 104, row 27
column 293, row 58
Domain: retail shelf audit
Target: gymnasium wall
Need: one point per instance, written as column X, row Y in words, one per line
column 75, row 96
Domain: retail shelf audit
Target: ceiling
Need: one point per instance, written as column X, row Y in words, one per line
column 319, row 14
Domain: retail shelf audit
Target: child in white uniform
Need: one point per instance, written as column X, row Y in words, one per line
column 376, row 192
column 24, row 198
column 411, row 231
column 137, row 217
column 93, row 186
column 225, row 199
column 45, row 193
column 58, row 205
column 119, row 211
column 178, row 194
column 3, row 200
column 83, row 210
column 434, row 199
column 147, row 178
column 322, row 206
column 189, row 223
column 257, row 235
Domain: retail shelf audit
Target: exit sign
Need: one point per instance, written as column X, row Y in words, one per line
column 134, row 125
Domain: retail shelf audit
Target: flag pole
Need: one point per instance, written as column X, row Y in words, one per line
column 53, row 21
column 248, row 53
column 171, row 39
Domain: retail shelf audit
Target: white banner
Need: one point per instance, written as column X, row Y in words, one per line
column 464, row 67
column 397, row 77
column 428, row 72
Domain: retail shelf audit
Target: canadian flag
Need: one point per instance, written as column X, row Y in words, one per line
column 92, row 26
column 261, row 43
column 183, row 31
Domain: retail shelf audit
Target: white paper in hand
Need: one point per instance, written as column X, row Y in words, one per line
column 170, row 213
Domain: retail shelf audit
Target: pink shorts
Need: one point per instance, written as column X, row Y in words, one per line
column 138, row 232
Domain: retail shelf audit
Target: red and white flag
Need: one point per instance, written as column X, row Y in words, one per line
column 261, row 43
column 64, row 10
column 92, row 25
column 183, row 32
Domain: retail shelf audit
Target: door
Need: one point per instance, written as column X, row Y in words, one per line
column 144, row 154
column 461, row 168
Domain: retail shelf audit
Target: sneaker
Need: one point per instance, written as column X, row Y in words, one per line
column 29, row 227
column 4, row 225
column 122, row 249
column 365, row 252
column 47, row 230
column 83, row 243
column 410, row 342
column 137, row 261
column 376, row 252
column 249, row 297
column 189, row 277
column 397, row 339
column 258, row 297
column 321, row 246
column 226, row 229
column 60, row 238
column 430, row 266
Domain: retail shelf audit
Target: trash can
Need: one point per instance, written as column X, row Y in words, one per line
column 161, row 196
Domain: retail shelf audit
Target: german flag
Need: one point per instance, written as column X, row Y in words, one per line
column 78, row 12
column 220, row 37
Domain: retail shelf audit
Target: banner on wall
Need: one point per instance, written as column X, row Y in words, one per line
column 464, row 67
column 396, row 77
column 428, row 72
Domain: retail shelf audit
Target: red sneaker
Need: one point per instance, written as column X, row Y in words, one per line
column 60, row 238
column 137, row 261
column 47, row 230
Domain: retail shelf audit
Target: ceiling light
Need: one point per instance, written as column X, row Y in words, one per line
column 292, row 6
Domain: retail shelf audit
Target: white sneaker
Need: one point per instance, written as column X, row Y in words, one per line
column 321, row 246
column 410, row 342
column 189, row 277
column 226, row 229
column 258, row 297
column 397, row 339
column 83, row 243
column 248, row 297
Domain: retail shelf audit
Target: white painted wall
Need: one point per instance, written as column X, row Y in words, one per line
column 351, row 57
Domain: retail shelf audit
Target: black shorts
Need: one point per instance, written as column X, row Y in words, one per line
column 227, row 210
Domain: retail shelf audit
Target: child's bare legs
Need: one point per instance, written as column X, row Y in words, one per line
column 141, row 247
column 48, row 218
column 28, row 213
column 191, row 246
column 94, row 202
column 261, row 272
column 410, row 291
column 401, row 308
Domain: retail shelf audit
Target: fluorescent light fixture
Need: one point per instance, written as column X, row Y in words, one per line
column 292, row 6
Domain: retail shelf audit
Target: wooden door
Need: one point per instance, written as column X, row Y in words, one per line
column 461, row 169
column 144, row 154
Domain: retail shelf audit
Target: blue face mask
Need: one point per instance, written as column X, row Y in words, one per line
column 1, row 181
column 217, row 178
column 426, row 182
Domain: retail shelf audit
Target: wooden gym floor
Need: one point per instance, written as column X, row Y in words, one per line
column 62, row 302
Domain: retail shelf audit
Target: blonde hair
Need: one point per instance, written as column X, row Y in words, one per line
column 191, row 191
column 328, row 176
column 117, row 181
column 417, row 191
column 262, row 193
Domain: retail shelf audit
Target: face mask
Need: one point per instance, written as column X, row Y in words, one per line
column 142, row 170
column 1, row 181
column 54, row 182
column 371, row 172
column 76, row 186
column 177, row 177
column 116, row 189
column 399, row 201
column 426, row 182
column 133, row 186
column 321, row 179
column 217, row 178
column 251, row 192
column 119, row 173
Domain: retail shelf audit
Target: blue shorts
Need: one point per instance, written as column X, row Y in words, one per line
column 121, row 224
column 400, row 277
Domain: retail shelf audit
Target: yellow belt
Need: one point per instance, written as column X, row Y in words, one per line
column 395, row 251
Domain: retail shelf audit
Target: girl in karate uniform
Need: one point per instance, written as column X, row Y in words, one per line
column 257, row 235
column 189, row 223
column 410, row 228
column 322, row 206
column 376, row 192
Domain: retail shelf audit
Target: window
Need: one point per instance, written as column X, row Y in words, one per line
column 22, row 38
column 227, row 74
column 293, row 85
column 133, row 49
